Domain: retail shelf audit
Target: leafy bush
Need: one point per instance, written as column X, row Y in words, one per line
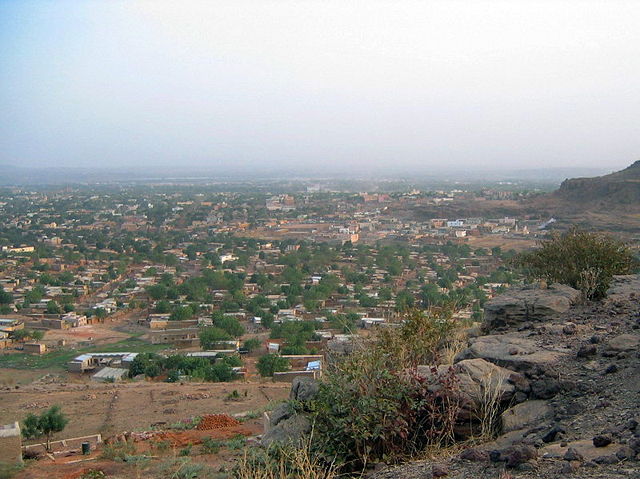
column 583, row 260
column 372, row 406
column 236, row 442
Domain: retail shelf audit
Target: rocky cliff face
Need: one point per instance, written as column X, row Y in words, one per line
column 569, row 384
column 617, row 189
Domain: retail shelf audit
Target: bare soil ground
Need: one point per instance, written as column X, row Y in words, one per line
column 159, row 457
column 96, row 333
column 114, row 408
column 11, row 378
column 518, row 244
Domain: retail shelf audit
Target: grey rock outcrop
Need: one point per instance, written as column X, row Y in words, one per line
column 286, row 424
column 474, row 376
column 624, row 287
column 281, row 413
column 514, row 352
column 303, row 389
column 522, row 305
column 526, row 414
column 624, row 342
column 288, row 431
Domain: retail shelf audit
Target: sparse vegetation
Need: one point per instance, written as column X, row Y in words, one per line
column 490, row 396
column 284, row 462
column 7, row 471
column 237, row 442
column 583, row 260
column 118, row 451
column 93, row 474
column 210, row 445
column 181, row 468
column 186, row 451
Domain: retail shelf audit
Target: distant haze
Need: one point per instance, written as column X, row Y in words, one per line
column 320, row 86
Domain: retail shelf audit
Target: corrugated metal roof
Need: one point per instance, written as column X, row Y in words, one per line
column 105, row 373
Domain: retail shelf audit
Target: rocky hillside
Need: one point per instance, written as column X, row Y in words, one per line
column 566, row 377
column 610, row 202
column 621, row 188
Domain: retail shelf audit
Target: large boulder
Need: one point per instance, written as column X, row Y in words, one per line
column 303, row 389
column 477, row 383
column 475, row 376
column 528, row 413
column 281, row 412
column 515, row 352
column 520, row 305
column 292, row 430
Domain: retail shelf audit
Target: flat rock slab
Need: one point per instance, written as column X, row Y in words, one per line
column 624, row 342
column 624, row 287
column 525, row 414
column 514, row 352
column 521, row 305
column 585, row 447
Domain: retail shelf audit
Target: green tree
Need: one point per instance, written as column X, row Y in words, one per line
column 212, row 335
column 271, row 363
column 157, row 291
column 163, row 306
column 53, row 308
column 46, row 424
column 181, row 313
column 5, row 298
column 22, row 334
column 252, row 344
column 35, row 295
column 229, row 324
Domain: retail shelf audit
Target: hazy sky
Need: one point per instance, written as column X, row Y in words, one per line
column 320, row 84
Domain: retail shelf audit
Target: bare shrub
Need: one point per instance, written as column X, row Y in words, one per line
column 456, row 342
column 284, row 462
column 490, row 402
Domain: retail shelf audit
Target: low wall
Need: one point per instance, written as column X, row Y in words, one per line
column 289, row 376
column 10, row 444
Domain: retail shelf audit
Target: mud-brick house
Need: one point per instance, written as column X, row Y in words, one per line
column 35, row 348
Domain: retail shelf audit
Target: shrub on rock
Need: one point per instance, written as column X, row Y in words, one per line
column 583, row 260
